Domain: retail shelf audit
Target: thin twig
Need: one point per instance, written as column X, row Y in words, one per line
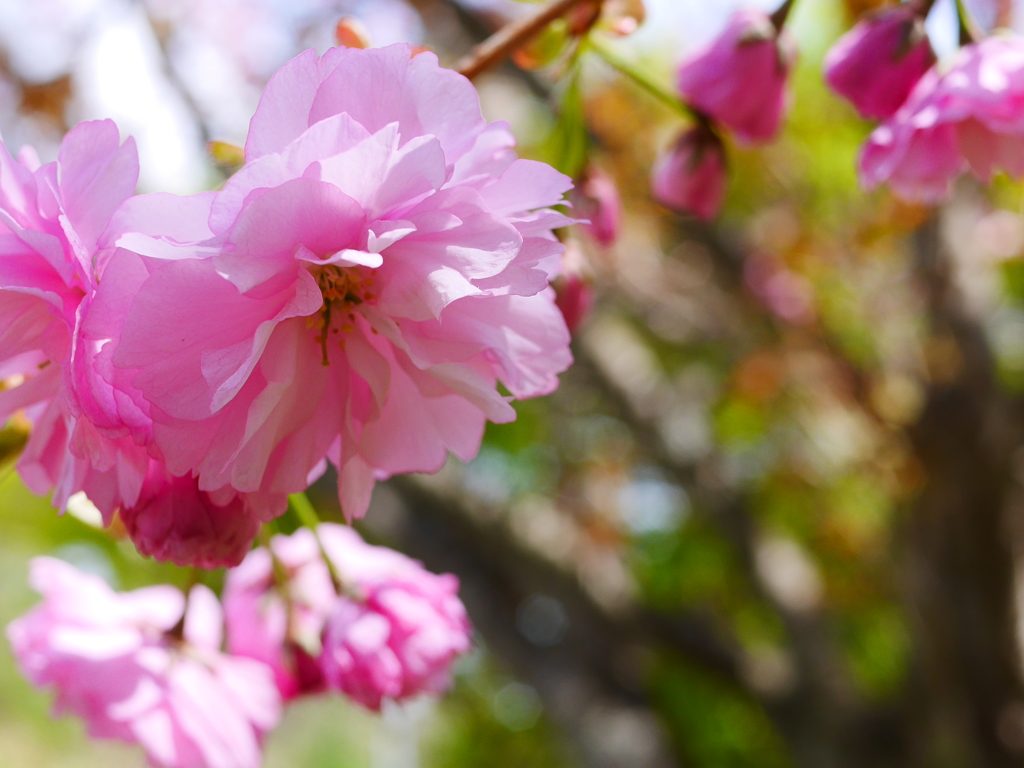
column 510, row 37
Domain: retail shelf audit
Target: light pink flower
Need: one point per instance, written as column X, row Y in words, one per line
column 691, row 177
column 92, row 433
column 371, row 180
column 968, row 116
column 877, row 63
column 116, row 661
column 596, row 201
column 51, row 220
column 739, row 79
column 393, row 632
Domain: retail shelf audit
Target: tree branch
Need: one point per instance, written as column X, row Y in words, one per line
column 512, row 36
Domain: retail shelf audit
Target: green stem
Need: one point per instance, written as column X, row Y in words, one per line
column 303, row 509
column 641, row 78
column 280, row 578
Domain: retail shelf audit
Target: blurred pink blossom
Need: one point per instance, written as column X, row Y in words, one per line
column 966, row 116
column 596, row 200
column 786, row 293
column 122, row 663
column 739, row 79
column 574, row 288
column 393, row 631
column 691, row 177
column 355, row 291
column 877, row 63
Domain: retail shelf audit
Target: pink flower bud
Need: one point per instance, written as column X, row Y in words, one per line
column 173, row 520
column 574, row 289
column 691, row 177
column 393, row 631
column 739, row 80
column 877, row 63
column 134, row 668
column 596, row 199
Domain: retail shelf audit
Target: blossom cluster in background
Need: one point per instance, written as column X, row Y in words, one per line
column 149, row 666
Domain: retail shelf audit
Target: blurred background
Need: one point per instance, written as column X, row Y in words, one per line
column 775, row 514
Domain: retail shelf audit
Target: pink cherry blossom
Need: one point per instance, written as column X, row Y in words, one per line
column 966, row 116
column 122, row 663
column 739, row 79
column 574, row 288
column 390, row 629
column 173, row 520
column 354, row 292
column 877, row 63
column 51, row 221
column 596, row 201
column 91, row 434
column 691, row 177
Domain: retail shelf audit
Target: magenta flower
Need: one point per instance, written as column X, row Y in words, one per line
column 691, row 177
column 354, row 292
column 574, row 288
column 596, row 201
column 173, row 520
column 739, row 79
column 282, row 626
column 122, row 663
column 967, row 117
column 393, row 631
column 877, row 63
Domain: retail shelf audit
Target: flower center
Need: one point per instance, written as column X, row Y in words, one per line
column 343, row 289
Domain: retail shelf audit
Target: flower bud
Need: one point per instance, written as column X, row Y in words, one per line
column 352, row 33
column 691, row 177
column 596, row 199
column 877, row 63
column 574, row 290
column 174, row 520
column 739, row 80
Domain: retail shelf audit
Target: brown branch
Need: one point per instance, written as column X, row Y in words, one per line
column 510, row 37
column 779, row 17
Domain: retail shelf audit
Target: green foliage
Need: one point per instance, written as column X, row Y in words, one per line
column 715, row 725
column 568, row 147
column 476, row 729
column 877, row 645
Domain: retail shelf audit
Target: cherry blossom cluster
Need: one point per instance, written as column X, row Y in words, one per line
column 939, row 119
column 150, row 666
column 353, row 295
column 736, row 84
column 366, row 291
